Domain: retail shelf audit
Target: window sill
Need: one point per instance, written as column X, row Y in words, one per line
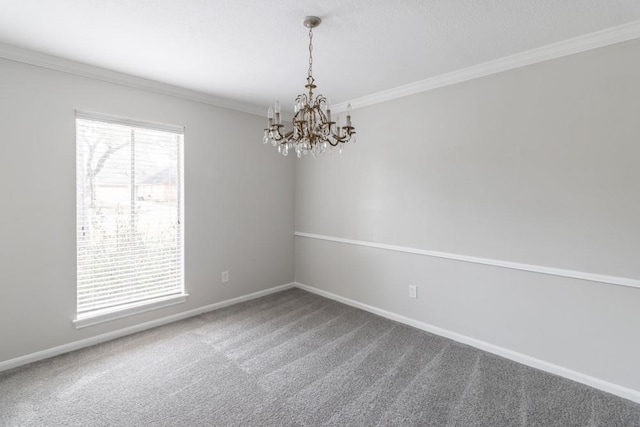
column 107, row 315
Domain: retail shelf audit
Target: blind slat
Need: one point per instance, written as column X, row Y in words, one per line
column 124, row 301
column 129, row 278
column 168, row 282
column 126, row 293
column 90, row 264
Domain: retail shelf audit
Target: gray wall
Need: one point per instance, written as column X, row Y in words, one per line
column 238, row 203
column 537, row 165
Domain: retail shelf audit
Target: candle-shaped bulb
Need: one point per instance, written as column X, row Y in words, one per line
column 276, row 107
column 270, row 117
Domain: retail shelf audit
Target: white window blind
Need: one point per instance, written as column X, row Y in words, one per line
column 129, row 213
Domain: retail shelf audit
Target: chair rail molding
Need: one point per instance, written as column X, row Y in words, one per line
column 593, row 277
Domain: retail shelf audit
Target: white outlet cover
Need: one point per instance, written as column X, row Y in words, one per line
column 413, row 291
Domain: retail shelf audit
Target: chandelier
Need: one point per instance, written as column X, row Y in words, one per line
column 313, row 131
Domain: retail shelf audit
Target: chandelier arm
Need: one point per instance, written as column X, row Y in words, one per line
column 344, row 138
column 276, row 130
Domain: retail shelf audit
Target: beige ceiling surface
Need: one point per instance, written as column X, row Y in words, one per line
column 254, row 51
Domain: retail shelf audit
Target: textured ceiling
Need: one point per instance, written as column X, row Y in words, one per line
column 254, row 51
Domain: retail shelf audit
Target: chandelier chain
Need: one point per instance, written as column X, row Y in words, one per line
column 310, row 51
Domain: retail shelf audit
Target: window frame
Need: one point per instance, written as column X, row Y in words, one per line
column 132, row 308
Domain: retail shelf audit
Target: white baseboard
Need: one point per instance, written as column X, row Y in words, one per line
column 618, row 390
column 76, row 345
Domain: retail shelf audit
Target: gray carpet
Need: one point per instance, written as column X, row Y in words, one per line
column 295, row 358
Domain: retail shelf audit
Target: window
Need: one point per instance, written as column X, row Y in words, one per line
column 130, row 255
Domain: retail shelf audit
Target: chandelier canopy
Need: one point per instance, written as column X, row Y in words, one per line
column 313, row 131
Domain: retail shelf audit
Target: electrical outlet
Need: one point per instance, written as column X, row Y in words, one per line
column 225, row 276
column 413, row 291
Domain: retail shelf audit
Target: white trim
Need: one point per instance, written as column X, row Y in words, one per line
column 618, row 390
column 578, row 44
column 76, row 345
column 101, row 316
column 111, row 118
column 600, row 278
column 38, row 59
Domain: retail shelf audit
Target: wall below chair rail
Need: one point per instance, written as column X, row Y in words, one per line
column 534, row 166
column 554, row 321
column 238, row 203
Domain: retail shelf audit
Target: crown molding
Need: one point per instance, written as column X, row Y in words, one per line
column 38, row 59
column 578, row 44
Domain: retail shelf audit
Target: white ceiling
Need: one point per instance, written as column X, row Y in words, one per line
column 255, row 51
